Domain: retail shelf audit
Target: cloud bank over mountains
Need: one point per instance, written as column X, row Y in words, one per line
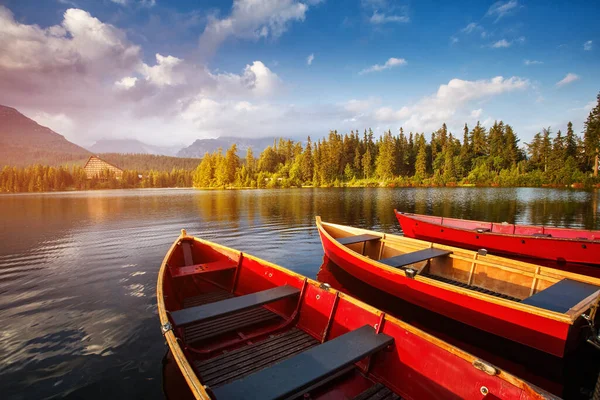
column 87, row 79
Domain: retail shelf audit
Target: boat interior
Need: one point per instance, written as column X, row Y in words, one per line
column 546, row 288
column 510, row 229
column 242, row 327
column 249, row 329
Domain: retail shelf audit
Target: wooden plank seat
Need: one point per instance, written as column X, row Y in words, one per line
column 215, row 327
column 562, row 296
column 357, row 239
column 293, row 374
column 206, row 298
column 214, row 266
column 225, row 307
column 414, row 257
column 212, row 328
column 246, row 360
column 471, row 287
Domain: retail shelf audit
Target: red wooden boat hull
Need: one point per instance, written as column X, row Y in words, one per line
column 563, row 246
column 545, row 334
column 416, row 366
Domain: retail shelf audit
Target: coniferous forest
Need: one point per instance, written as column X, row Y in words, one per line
column 475, row 156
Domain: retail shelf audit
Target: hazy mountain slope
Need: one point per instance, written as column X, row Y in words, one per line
column 131, row 146
column 23, row 141
column 201, row 146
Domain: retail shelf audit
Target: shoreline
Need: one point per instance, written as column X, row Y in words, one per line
column 381, row 185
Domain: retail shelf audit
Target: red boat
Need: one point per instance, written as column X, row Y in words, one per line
column 547, row 309
column 556, row 244
column 242, row 328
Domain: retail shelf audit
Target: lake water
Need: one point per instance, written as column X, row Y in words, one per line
column 78, row 270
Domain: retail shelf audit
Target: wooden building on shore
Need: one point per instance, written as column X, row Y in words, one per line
column 97, row 168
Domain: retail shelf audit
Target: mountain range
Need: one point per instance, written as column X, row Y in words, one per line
column 25, row 142
column 203, row 146
column 131, row 146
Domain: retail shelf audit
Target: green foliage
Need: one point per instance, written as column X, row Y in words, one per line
column 38, row 178
column 483, row 158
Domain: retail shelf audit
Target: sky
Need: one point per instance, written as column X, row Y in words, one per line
column 170, row 72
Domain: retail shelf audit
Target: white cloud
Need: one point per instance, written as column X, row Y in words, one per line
column 165, row 72
column 390, row 63
column 360, row 106
column 501, row 9
column 570, row 77
column 587, row 46
column 449, row 103
column 532, row 62
column 471, row 27
column 310, row 59
column 453, row 40
column 476, row 113
column 252, row 19
column 381, row 18
column 126, row 83
column 501, row 44
column 84, row 69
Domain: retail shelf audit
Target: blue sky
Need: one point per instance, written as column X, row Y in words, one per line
column 169, row 72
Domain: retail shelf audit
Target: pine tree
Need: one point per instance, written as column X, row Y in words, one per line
column 479, row 140
column 307, row 162
column 386, row 159
column 250, row 161
column 546, row 147
column 591, row 137
column 421, row 161
column 570, row 142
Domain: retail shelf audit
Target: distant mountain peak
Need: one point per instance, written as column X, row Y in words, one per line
column 23, row 141
column 131, row 146
column 203, row 146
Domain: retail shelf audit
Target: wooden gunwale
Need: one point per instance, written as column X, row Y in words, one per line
column 197, row 387
column 516, row 235
column 545, row 273
column 184, row 366
column 568, row 317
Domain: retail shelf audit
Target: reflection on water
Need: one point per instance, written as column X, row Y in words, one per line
column 78, row 270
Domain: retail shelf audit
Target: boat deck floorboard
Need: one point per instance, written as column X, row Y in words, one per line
column 206, row 298
column 244, row 361
column 377, row 392
column 212, row 328
column 470, row 287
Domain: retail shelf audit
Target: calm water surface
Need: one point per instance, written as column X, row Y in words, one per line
column 78, row 270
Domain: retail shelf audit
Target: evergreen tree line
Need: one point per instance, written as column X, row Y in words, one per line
column 39, row 178
column 483, row 157
column 149, row 162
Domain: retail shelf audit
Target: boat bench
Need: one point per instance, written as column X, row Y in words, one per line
column 230, row 306
column 414, row 257
column 290, row 376
column 348, row 240
column 357, row 239
column 562, row 296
